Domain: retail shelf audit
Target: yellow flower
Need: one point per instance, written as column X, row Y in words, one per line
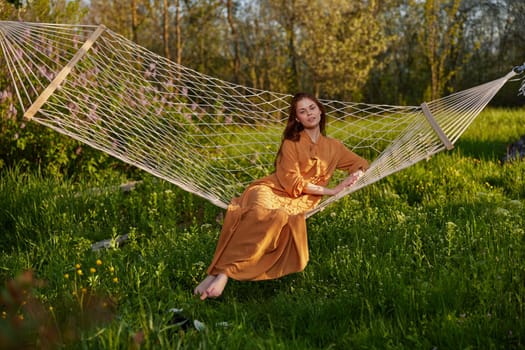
column 92, row 270
column 115, row 279
column 111, row 269
column 99, row 262
column 4, row 315
column 66, row 276
column 80, row 273
column 77, row 266
column 84, row 290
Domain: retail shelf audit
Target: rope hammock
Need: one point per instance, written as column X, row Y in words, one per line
column 207, row 136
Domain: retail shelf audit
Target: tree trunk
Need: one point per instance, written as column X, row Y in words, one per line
column 165, row 30
column 235, row 36
column 178, row 54
column 134, row 21
column 290, row 35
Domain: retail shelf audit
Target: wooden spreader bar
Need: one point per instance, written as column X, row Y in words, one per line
column 59, row 78
column 426, row 111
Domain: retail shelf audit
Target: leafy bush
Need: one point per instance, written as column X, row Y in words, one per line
column 30, row 147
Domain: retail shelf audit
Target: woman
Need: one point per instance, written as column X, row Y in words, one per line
column 264, row 230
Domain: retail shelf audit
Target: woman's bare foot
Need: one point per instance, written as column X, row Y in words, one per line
column 212, row 286
column 216, row 287
column 201, row 288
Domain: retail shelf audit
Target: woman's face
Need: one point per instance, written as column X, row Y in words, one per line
column 308, row 113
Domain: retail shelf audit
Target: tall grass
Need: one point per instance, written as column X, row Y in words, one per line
column 429, row 258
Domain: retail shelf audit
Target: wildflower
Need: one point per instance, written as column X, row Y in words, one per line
column 78, row 266
column 66, row 276
column 99, row 262
column 79, row 272
column 111, row 269
column 92, row 270
column 115, row 279
column 4, row 315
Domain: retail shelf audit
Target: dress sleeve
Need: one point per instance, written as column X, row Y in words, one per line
column 350, row 161
column 288, row 171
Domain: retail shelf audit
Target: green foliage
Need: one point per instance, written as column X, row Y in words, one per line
column 33, row 147
column 431, row 257
column 16, row 3
column 58, row 11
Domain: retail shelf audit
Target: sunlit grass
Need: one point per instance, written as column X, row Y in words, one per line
column 431, row 257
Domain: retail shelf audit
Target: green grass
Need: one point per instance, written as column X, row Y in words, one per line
column 430, row 258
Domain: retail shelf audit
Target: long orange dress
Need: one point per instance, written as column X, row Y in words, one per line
column 264, row 230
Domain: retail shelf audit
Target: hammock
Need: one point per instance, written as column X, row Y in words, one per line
column 207, row 136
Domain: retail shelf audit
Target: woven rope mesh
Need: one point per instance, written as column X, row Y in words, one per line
column 208, row 136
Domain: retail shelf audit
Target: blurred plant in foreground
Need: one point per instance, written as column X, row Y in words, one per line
column 28, row 322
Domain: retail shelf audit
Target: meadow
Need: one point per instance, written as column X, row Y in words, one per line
column 432, row 257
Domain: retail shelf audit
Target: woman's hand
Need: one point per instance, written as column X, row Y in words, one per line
column 347, row 182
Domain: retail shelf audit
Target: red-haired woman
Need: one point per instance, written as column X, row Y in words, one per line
column 264, row 230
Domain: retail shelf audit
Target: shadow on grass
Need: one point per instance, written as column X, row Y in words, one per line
column 494, row 150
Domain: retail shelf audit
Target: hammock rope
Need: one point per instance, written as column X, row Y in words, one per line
column 207, row 136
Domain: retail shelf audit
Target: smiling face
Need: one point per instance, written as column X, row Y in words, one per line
column 308, row 113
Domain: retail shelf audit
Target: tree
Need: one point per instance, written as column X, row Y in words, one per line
column 235, row 39
column 441, row 39
column 339, row 41
column 178, row 33
column 398, row 75
column 9, row 9
column 205, row 32
column 165, row 29
column 285, row 12
column 263, row 49
column 126, row 17
column 58, row 11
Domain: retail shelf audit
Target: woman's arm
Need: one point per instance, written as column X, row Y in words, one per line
column 350, row 161
column 325, row 191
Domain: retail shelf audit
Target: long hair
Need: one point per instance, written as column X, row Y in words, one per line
column 293, row 126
